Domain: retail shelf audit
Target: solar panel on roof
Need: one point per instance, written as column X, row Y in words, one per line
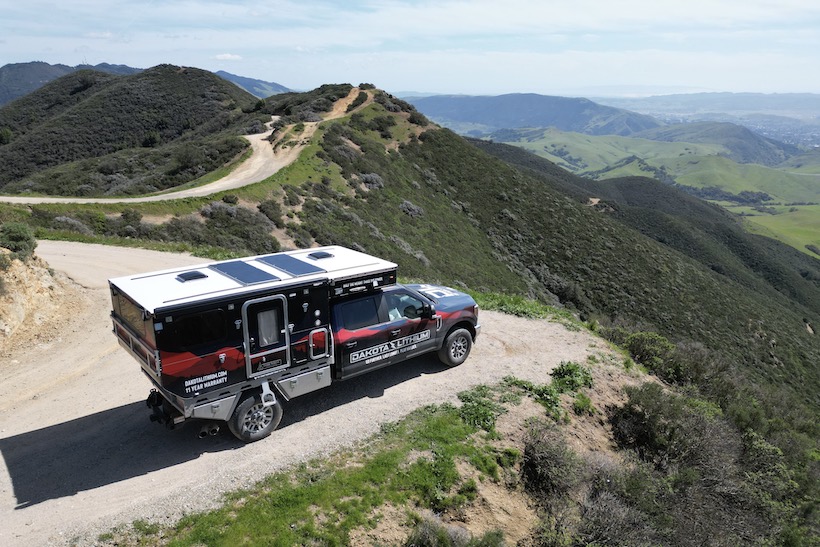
column 243, row 272
column 291, row 265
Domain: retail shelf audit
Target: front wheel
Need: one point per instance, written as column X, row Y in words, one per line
column 456, row 347
column 252, row 421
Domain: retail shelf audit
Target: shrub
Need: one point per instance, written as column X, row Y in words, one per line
column 545, row 394
column 478, row 408
column 271, row 209
column 583, row 405
column 433, row 533
column 5, row 135
column 71, row 224
column 549, row 467
column 358, row 101
column 372, row 180
column 19, row 239
column 608, row 520
column 570, row 376
column 649, row 349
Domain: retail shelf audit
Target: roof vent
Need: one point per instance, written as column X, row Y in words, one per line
column 190, row 276
column 318, row 255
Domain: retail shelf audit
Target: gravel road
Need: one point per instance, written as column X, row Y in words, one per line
column 80, row 455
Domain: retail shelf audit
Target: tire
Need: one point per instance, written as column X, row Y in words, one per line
column 456, row 347
column 252, row 421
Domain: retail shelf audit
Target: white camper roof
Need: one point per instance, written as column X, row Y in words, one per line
column 192, row 284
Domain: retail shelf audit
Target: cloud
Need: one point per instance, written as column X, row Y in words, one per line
column 228, row 57
column 99, row 35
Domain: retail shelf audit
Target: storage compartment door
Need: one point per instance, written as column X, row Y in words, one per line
column 266, row 334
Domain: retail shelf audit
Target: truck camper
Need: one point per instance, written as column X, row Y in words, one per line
column 229, row 341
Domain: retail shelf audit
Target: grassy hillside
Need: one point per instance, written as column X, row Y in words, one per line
column 700, row 165
column 798, row 226
column 725, row 174
column 91, row 133
column 584, row 154
column 744, row 145
column 645, row 260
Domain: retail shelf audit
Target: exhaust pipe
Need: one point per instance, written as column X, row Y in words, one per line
column 211, row 429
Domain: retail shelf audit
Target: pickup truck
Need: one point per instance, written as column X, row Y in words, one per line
column 229, row 341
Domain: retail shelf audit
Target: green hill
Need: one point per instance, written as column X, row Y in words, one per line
column 91, row 133
column 18, row 79
column 631, row 256
column 744, row 146
column 585, row 154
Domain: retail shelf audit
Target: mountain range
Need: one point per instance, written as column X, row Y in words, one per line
column 477, row 115
column 19, row 79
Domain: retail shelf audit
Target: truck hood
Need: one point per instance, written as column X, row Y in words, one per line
column 445, row 298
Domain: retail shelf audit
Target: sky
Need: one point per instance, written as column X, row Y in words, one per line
column 478, row 47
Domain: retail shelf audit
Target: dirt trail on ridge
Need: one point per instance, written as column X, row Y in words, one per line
column 265, row 160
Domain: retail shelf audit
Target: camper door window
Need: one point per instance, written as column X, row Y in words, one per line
column 192, row 332
column 269, row 329
column 132, row 315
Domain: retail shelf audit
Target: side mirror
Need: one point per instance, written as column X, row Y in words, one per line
column 428, row 311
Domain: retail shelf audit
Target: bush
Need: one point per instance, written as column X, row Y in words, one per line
column 19, row 239
column 358, row 101
column 649, row 349
column 583, row 405
column 433, row 533
column 271, row 209
column 549, row 468
column 570, row 376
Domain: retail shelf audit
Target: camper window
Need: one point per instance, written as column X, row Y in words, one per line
column 269, row 330
column 191, row 331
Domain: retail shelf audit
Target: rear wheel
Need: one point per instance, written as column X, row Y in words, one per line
column 252, row 421
column 456, row 347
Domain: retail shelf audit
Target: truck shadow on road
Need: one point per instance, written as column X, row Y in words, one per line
column 121, row 443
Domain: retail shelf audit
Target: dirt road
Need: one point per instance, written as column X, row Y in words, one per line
column 80, row 455
column 264, row 161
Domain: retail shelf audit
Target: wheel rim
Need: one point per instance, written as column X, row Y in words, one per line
column 257, row 418
column 459, row 348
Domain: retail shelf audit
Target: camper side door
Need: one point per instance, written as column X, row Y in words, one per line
column 266, row 335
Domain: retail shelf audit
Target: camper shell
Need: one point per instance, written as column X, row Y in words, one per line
column 273, row 327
